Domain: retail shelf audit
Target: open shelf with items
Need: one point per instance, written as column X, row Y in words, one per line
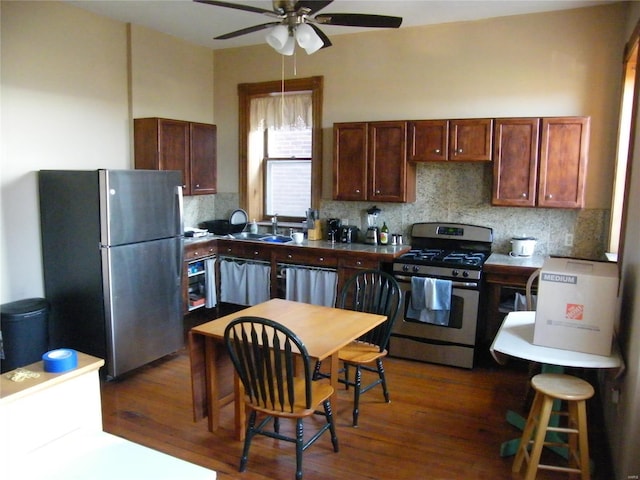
column 197, row 289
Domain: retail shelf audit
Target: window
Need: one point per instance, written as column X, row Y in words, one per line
column 287, row 177
column 281, row 161
column 625, row 144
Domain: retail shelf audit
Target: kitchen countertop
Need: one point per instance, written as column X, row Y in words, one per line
column 394, row 250
column 506, row 260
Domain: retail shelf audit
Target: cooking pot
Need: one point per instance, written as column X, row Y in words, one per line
column 522, row 246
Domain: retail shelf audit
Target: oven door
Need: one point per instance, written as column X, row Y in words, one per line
column 451, row 344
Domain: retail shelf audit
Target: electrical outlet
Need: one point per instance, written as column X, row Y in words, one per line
column 568, row 240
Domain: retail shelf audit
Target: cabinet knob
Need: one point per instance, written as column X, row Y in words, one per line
column 549, row 196
column 256, row 253
column 524, row 195
column 437, row 150
column 289, row 256
column 358, row 263
column 197, row 185
column 358, row 191
column 229, row 249
column 321, row 259
column 459, row 150
column 377, row 192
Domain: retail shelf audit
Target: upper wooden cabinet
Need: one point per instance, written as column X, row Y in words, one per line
column 540, row 162
column 370, row 162
column 467, row 140
column 163, row 144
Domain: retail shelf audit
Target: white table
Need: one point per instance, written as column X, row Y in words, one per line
column 515, row 339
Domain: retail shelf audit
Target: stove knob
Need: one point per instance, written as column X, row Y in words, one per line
column 416, row 268
column 465, row 274
column 405, row 268
column 455, row 273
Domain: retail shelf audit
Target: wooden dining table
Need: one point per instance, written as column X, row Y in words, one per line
column 323, row 330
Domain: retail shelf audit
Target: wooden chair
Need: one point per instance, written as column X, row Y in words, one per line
column 551, row 389
column 263, row 353
column 371, row 291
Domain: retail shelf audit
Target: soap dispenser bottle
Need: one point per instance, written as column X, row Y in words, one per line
column 253, row 227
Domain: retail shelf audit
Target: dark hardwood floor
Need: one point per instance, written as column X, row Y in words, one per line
column 442, row 423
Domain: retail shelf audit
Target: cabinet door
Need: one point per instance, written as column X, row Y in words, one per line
column 470, row 140
column 350, row 161
column 515, row 161
column 388, row 169
column 428, row 141
column 563, row 162
column 203, row 165
column 174, row 149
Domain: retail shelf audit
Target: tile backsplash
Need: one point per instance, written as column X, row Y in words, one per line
column 454, row 192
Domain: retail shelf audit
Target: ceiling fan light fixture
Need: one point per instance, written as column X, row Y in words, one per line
column 277, row 37
column 308, row 38
column 289, row 46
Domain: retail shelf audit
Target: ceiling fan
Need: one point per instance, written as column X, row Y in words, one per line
column 294, row 23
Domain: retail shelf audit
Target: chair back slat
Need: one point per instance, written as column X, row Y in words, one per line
column 373, row 291
column 263, row 353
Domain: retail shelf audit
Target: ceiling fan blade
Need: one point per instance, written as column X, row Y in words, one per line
column 358, row 20
column 244, row 31
column 237, row 6
column 312, row 6
column 323, row 37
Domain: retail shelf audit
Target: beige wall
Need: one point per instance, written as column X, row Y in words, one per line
column 544, row 64
column 68, row 99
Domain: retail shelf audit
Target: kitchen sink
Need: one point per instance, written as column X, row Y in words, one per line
column 248, row 236
column 276, row 238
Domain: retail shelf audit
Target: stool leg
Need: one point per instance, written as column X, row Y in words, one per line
column 527, row 432
column 538, row 443
column 583, row 439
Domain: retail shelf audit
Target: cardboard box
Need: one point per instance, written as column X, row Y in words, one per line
column 577, row 305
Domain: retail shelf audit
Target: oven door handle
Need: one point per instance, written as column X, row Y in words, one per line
column 404, row 278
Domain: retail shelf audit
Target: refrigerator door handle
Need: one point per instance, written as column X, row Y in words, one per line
column 180, row 210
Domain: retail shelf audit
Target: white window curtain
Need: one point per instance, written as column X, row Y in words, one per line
column 288, row 111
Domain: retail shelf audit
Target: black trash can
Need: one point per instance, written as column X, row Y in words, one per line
column 25, row 332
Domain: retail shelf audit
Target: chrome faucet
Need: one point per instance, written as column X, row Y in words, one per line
column 274, row 223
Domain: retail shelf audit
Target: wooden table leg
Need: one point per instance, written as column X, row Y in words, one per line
column 335, row 375
column 198, row 374
column 212, row 388
column 240, row 417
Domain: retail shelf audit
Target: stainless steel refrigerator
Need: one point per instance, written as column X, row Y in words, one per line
column 112, row 248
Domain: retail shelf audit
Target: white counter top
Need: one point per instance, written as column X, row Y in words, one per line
column 501, row 259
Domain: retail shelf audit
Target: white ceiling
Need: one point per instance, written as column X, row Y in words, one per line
column 199, row 23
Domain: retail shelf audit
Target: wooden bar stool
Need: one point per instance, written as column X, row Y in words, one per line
column 553, row 388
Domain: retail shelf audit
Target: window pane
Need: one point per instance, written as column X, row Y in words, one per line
column 289, row 143
column 288, row 190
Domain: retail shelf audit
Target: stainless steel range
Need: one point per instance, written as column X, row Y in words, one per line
column 443, row 252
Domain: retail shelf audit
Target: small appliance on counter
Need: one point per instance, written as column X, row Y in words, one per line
column 522, row 246
column 372, row 236
column 348, row 234
column 333, row 229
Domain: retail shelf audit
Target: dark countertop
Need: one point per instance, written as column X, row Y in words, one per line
column 393, row 250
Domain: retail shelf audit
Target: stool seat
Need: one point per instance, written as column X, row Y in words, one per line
column 551, row 389
column 562, row 387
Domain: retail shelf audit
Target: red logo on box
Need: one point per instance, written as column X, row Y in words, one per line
column 574, row 311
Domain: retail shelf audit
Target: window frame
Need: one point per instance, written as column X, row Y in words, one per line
column 252, row 176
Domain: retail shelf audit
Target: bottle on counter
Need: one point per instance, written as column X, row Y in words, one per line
column 253, row 227
column 384, row 234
